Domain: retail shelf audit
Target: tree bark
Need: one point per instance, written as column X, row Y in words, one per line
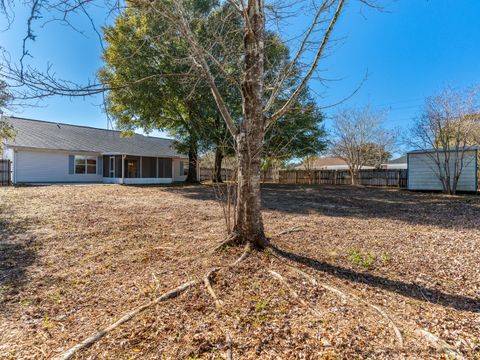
column 249, row 221
column 249, row 141
column 192, row 164
column 217, row 171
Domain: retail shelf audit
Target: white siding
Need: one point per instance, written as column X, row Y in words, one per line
column 176, row 170
column 423, row 172
column 47, row 167
column 7, row 154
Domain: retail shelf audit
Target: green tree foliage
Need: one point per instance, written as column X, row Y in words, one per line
column 142, row 54
column 300, row 133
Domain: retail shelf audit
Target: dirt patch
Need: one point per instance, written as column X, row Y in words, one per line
column 75, row 258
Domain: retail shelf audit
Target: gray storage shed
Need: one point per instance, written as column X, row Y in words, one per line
column 423, row 171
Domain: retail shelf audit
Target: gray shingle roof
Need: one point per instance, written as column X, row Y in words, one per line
column 58, row 136
column 400, row 160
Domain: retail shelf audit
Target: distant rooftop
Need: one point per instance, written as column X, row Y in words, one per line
column 322, row 162
column 400, row 160
column 49, row 135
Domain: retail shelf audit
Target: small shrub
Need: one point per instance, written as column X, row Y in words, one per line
column 365, row 260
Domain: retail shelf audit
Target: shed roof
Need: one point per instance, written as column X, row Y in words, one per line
column 466, row 148
column 59, row 136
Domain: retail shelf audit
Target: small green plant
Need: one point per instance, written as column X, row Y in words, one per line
column 154, row 286
column 46, row 323
column 261, row 305
column 26, row 302
column 386, row 259
column 365, row 260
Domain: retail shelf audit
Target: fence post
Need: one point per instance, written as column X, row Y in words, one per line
column 335, row 178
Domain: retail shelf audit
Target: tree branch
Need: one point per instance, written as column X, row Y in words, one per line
column 307, row 77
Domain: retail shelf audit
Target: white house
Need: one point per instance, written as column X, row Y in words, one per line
column 49, row 152
column 423, row 171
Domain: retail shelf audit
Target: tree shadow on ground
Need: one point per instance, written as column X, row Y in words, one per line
column 417, row 292
column 362, row 202
column 17, row 254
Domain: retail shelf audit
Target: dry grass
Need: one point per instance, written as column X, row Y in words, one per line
column 75, row 258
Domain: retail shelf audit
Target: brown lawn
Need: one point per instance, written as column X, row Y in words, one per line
column 73, row 259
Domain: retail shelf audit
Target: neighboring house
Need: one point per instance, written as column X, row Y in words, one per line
column 423, row 170
column 398, row 163
column 327, row 163
column 49, row 152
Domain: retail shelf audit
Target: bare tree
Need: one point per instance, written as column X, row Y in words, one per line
column 6, row 130
column 243, row 70
column 446, row 130
column 360, row 139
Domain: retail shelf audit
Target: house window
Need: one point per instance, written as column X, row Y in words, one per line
column 85, row 164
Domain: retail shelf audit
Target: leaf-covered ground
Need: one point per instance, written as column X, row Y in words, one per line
column 73, row 259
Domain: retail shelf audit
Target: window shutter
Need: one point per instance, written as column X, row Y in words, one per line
column 71, row 164
column 100, row 165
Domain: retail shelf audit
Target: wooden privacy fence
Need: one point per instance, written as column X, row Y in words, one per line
column 392, row 177
column 267, row 176
column 5, row 172
column 381, row 177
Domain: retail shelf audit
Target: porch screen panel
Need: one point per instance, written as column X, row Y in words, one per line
column 149, row 167
column 164, row 168
column 118, row 166
column 106, row 168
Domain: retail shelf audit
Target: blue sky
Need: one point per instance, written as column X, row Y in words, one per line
column 410, row 51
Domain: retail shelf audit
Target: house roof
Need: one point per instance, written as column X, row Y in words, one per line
column 324, row 161
column 59, row 136
column 400, row 160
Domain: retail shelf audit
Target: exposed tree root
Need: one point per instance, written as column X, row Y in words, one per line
column 245, row 254
column 279, row 277
column 354, row 298
column 130, row 315
column 232, row 240
column 166, row 296
column 217, row 301
column 439, row 344
column 228, row 340
column 289, row 231
column 208, row 286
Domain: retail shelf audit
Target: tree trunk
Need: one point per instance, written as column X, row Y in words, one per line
column 249, row 141
column 353, row 175
column 249, row 221
column 192, row 164
column 217, row 171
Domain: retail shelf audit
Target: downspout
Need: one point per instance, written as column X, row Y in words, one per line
column 123, row 169
column 14, row 177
